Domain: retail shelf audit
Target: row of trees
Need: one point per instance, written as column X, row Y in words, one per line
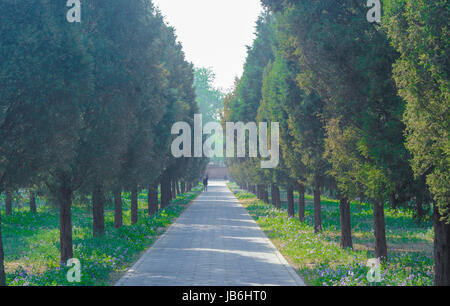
column 363, row 110
column 87, row 108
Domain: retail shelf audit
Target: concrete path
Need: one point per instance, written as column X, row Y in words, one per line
column 215, row 242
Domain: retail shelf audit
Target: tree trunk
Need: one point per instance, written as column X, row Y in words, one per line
column 8, row 202
column 173, row 190
column 169, row 190
column 165, row 191
column 273, row 195
column 65, row 222
column 183, row 187
column 33, row 208
column 317, row 208
column 362, row 198
column 152, row 200
column 260, row 192
column 420, row 211
column 290, row 201
column 98, row 211
column 118, row 218
column 134, row 205
column 278, row 197
column 266, row 194
column 441, row 250
column 380, row 230
column 346, row 224
column 177, row 184
column 2, row 257
column 301, row 202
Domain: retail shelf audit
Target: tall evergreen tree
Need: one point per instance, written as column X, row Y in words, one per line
column 44, row 90
column 347, row 62
column 419, row 31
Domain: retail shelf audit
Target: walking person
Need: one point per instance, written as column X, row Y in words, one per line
column 205, row 183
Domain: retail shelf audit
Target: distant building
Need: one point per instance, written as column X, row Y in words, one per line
column 217, row 171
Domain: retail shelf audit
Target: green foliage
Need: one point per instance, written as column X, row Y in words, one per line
column 245, row 105
column 419, row 31
column 322, row 262
column 31, row 243
column 209, row 99
column 244, row 102
column 89, row 107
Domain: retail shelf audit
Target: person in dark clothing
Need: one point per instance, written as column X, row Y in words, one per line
column 205, row 183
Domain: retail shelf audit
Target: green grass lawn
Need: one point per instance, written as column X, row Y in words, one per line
column 31, row 242
column 322, row 262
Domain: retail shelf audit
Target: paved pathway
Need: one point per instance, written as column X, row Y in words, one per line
column 215, row 242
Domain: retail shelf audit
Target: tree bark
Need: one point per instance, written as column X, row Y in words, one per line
column 134, row 205
column 273, row 195
column 260, row 192
column 301, row 202
column 173, row 190
column 165, row 191
column 420, row 211
column 346, row 224
column 65, row 221
column 118, row 216
column 33, row 207
column 278, row 197
column 98, row 210
column 2, row 257
column 177, row 184
column 290, row 201
column 266, row 194
column 441, row 250
column 183, row 187
column 317, row 208
column 380, row 230
column 8, row 202
column 152, row 200
column 362, row 198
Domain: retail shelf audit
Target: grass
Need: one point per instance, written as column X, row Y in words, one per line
column 322, row 262
column 31, row 242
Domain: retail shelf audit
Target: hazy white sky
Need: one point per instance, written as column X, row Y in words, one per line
column 214, row 33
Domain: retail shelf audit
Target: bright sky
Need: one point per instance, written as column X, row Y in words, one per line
column 214, row 33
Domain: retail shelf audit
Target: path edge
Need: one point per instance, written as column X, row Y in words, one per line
column 297, row 278
column 129, row 272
